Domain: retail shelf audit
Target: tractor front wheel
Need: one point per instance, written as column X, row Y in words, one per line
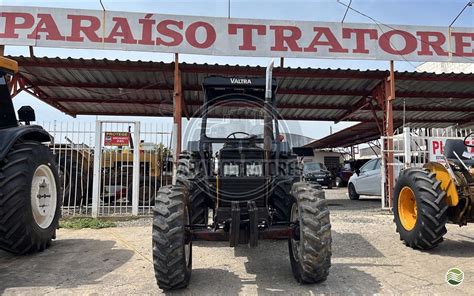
column 172, row 247
column 419, row 208
column 310, row 246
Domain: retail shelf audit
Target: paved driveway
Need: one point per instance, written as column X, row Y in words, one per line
column 368, row 258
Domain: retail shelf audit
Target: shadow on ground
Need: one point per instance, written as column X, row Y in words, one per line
column 352, row 245
column 454, row 248
column 66, row 264
column 351, row 205
column 268, row 267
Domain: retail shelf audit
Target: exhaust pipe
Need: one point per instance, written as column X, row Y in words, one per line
column 267, row 119
column 268, row 80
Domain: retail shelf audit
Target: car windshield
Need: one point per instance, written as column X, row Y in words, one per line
column 313, row 166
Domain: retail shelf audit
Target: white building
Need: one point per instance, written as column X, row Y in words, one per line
column 440, row 68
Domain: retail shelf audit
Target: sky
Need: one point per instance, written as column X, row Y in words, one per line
column 408, row 12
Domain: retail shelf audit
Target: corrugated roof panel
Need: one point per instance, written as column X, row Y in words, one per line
column 84, row 87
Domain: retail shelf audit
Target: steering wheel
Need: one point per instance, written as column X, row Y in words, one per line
column 465, row 140
column 235, row 133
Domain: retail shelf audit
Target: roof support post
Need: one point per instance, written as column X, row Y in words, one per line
column 177, row 114
column 2, row 50
column 32, row 52
column 389, row 96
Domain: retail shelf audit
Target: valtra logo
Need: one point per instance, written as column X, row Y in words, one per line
column 240, row 81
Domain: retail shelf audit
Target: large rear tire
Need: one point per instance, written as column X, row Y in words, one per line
column 419, row 208
column 172, row 249
column 310, row 249
column 281, row 201
column 30, row 198
column 188, row 175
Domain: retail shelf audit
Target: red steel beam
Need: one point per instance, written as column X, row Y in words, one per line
column 140, row 66
column 389, row 98
column 168, row 112
column 100, row 65
column 362, row 103
column 376, row 119
column 27, row 86
column 158, row 86
column 435, row 95
column 309, row 92
column 317, row 106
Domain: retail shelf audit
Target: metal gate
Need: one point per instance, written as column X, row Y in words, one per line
column 414, row 147
column 73, row 147
column 110, row 168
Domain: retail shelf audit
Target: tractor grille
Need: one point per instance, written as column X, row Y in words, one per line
column 242, row 190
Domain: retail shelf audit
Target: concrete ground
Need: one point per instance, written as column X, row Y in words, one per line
column 368, row 258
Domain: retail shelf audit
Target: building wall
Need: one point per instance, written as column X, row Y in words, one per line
column 319, row 157
column 368, row 153
column 439, row 68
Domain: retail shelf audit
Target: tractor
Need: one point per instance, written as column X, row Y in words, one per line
column 240, row 188
column 427, row 198
column 30, row 196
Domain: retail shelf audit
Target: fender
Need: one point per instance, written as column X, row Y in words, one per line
column 448, row 184
column 9, row 136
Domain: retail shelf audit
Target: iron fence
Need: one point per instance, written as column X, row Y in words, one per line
column 110, row 168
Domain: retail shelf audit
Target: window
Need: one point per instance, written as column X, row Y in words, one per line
column 369, row 166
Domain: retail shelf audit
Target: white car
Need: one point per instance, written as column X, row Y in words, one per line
column 368, row 179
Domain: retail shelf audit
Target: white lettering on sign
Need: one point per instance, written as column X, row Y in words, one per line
column 240, row 81
column 111, row 30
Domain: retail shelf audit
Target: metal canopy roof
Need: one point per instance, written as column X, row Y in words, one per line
column 113, row 87
column 354, row 135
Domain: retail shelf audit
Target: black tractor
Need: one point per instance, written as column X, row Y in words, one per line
column 234, row 186
column 30, row 199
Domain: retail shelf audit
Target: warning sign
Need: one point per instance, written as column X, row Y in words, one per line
column 116, row 139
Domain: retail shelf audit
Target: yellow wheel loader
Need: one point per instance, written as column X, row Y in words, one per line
column 427, row 198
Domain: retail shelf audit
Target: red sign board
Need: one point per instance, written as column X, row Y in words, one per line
column 116, row 139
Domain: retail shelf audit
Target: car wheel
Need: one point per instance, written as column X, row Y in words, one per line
column 352, row 192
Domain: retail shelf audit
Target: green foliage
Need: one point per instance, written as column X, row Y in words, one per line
column 80, row 223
